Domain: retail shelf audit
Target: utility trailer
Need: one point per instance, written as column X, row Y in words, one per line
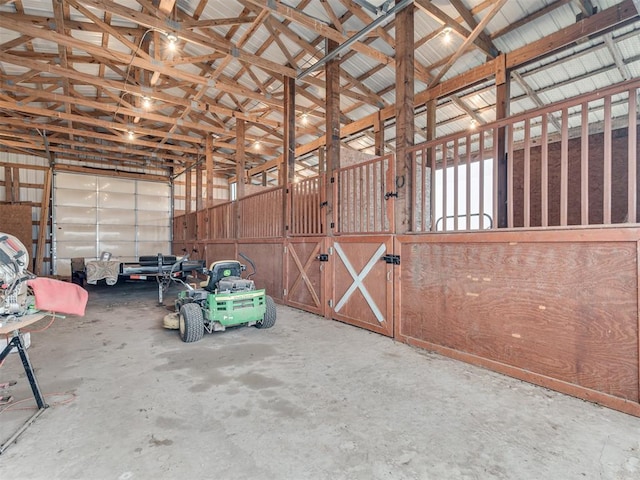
column 159, row 267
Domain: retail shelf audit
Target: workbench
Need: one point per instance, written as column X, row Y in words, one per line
column 13, row 326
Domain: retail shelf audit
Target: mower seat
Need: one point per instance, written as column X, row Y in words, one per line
column 219, row 270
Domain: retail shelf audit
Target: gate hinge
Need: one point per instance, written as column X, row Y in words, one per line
column 333, row 225
column 333, row 180
column 392, row 259
column 388, row 195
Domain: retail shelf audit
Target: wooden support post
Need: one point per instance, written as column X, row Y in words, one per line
column 503, row 84
column 15, row 185
column 378, row 131
column 44, row 223
column 240, row 175
column 321, row 161
column 332, row 119
column 240, row 170
column 289, row 160
column 198, row 187
column 187, row 191
column 7, row 185
column 209, row 170
column 404, row 120
column 429, row 166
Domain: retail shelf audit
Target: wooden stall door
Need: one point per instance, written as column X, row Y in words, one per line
column 362, row 282
column 306, row 263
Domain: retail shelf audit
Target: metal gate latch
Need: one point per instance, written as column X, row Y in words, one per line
column 392, row 259
column 323, row 257
column 388, row 195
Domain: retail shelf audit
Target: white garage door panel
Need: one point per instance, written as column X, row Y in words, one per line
column 153, row 248
column 116, row 216
column 76, row 233
column 94, row 214
column 153, row 189
column 116, row 200
column 148, row 233
column 76, row 182
column 117, row 233
column 122, row 251
column 156, row 219
column 76, row 198
column 151, row 203
column 75, row 215
column 116, row 185
column 76, row 249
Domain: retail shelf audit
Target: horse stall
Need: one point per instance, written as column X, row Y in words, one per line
column 525, row 263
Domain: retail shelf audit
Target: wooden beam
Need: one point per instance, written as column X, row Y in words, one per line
column 404, row 120
column 503, row 95
column 289, row 143
column 332, row 130
column 240, row 159
column 469, row 40
column 319, row 28
column 43, row 224
column 209, row 170
column 433, row 11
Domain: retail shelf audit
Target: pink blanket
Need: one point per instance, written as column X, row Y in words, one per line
column 60, row 297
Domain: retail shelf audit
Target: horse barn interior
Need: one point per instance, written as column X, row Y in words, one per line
column 440, row 196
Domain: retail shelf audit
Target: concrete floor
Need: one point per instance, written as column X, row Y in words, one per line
column 307, row 399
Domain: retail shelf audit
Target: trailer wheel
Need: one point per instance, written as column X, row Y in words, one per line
column 269, row 319
column 191, row 323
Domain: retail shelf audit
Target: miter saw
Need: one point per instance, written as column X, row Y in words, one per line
column 15, row 300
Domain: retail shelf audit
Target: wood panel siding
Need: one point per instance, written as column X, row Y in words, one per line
column 269, row 261
column 551, row 306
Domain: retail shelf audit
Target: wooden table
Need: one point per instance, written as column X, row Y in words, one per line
column 13, row 327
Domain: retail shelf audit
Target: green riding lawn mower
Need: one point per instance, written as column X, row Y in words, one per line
column 224, row 300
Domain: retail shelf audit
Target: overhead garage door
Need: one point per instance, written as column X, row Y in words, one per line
column 94, row 214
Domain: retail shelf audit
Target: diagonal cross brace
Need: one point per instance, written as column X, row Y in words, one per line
column 358, row 278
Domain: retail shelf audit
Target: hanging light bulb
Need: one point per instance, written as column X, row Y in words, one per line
column 446, row 35
column 172, row 40
column 130, row 135
column 146, row 102
column 305, row 118
column 256, row 145
column 473, row 124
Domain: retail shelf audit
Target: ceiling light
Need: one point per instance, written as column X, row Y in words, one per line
column 256, row 145
column 305, row 118
column 473, row 124
column 446, row 35
column 146, row 102
column 130, row 135
column 172, row 40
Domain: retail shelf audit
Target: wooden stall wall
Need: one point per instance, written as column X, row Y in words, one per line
column 269, row 261
column 551, row 307
column 619, row 141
